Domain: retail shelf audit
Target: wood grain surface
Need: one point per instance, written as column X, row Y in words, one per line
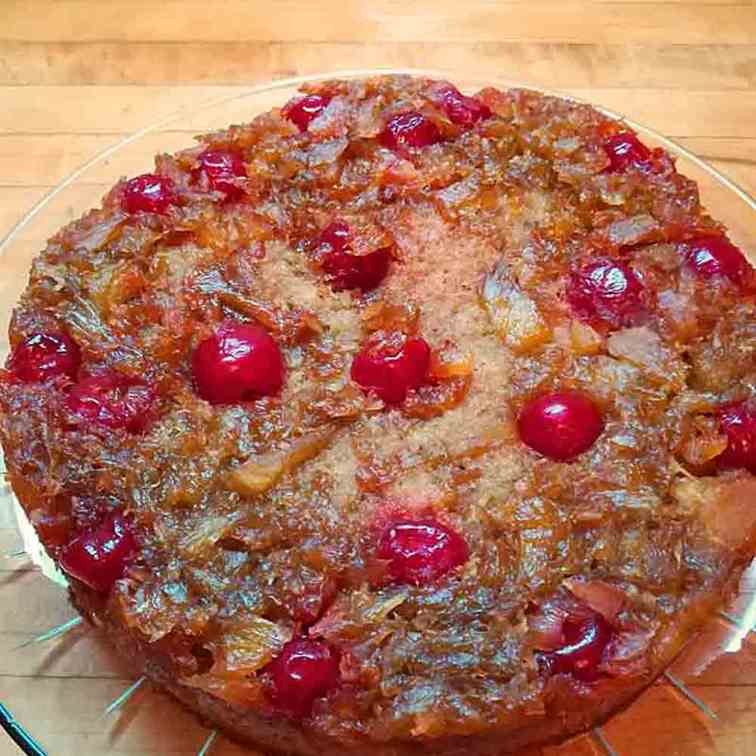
column 77, row 76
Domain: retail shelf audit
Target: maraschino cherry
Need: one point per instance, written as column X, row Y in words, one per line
column 410, row 129
column 221, row 168
column 560, row 425
column 344, row 269
column 98, row 558
column 238, row 363
column 148, row 193
column 305, row 670
column 392, row 365
column 113, row 400
column 625, row 150
column 461, row 109
column 304, row 110
column 420, row 551
column 581, row 655
column 737, row 420
column 607, row 290
column 716, row 256
column 42, row 356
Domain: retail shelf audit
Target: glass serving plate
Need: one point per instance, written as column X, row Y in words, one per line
column 58, row 677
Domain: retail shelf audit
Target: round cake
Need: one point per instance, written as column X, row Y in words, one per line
column 395, row 421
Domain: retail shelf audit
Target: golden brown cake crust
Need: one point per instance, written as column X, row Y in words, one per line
column 259, row 521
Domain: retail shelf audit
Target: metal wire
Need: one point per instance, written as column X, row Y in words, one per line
column 121, row 700
column 600, row 738
column 208, row 743
column 19, row 735
column 730, row 618
column 54, row 632
column 692, row 697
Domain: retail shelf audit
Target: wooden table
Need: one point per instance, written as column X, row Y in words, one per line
column 76, row 76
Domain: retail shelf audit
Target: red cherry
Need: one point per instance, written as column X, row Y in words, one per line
column 238, row 363
column 305, row 670
column 460, row 109
column 737, row 420
column 336, row 237
column 345, row 270
column 391, row 366
column 148, row 193
column 409, row 129
column 625, row 150
column 560, row 425
column 607, row 290
column 711, row 256
column 305, row 109
column 586, row 640
column 421, row 551
column 221, row 168
column 113, row 400
column 42, row 356
column 363, row 272
column 98, row 558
